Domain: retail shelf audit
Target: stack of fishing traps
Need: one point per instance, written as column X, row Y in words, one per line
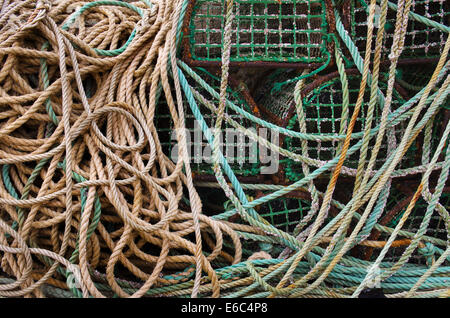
column 274, row 44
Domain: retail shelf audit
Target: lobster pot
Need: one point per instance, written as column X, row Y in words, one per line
column 421, row 41
column 323, row 110
column 436, row 229
column 264, row 32
column 240, row 151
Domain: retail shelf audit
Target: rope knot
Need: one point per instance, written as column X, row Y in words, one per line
column 428, row 252
column 143, row 22
column 73, row 276
column 39, row 13
column 43, row 5
column 393, row 56
column 373, row 277
column 145, row 18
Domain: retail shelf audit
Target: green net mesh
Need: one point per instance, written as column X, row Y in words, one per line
column 323, row 107
column 263, row 30
column 421, row 41
column 285, row 212
column 240, row 152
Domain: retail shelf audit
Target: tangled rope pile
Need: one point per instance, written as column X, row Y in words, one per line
column 92, row 206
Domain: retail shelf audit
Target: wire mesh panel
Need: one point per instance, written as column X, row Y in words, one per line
column 287, row 31
column 421, row 40
column 285, row 213
column 240, row 152
column 323, row 110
